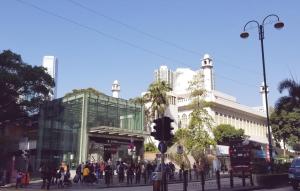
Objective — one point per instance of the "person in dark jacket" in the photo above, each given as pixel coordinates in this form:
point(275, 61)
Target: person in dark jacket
point(138, 172)
point(46, 175)
point(121, 171)
point(42, 170)
point(130, 174)
point(108, 173)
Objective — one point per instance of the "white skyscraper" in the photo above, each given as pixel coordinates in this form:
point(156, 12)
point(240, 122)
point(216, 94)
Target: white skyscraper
point(51, 64)
point(164, 74)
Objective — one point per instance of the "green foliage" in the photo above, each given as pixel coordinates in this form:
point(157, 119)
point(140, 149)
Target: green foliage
point(284, 126)
point(23, 88)
point(225, 133)
point(196, 139)
point(157, 96)
point(281, 167)
point(285, 120)
point(150, 147)
point(200, 121)
point(87, 90)
point(291, 101)
point(179, 160)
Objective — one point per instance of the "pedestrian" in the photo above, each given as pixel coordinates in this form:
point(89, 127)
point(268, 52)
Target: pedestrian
point(49, 174)
point(86, 173)
point(130, 174)
point(42, 170)
point(181, 171)
point(138, 173)
point(77, 177)
point(108, 172)
point(61, 177)
point(149, 169)
point(143, 172)
point(121, 171)
point(195, 170)
point(102, 166)
point(19, 177)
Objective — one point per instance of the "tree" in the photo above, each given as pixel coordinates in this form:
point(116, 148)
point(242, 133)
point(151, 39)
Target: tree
point(292, 100)
point(285, 127)
point(196, 138)
point(150, 147)
point(200, 122)
point(23, 88)
point(157, 97)
point(87, 90)
point(285, 120)
point(225, 133)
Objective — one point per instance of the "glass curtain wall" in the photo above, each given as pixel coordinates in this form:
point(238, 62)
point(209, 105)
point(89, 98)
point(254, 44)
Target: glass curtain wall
point(59, 123)
point(64, 124)
point(112, 112)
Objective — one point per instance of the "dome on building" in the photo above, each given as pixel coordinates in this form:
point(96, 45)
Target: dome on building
point(116, 82)
point(206, 56)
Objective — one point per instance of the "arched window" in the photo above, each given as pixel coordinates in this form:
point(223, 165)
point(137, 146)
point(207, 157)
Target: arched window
point(184, 121)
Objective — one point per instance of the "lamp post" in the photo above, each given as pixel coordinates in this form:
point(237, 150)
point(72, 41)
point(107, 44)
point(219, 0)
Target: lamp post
point(244, 34)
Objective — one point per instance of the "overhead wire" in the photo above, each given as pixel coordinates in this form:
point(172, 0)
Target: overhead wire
point(99, 32)
point(113, 37)
point(133, 28)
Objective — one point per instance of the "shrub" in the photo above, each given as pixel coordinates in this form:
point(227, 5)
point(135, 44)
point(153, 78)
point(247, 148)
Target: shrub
point(150, 147)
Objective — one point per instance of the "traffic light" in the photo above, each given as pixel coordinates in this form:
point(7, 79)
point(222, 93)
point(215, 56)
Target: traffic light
point(163, 129)
point(157, 134)
point(167, 129)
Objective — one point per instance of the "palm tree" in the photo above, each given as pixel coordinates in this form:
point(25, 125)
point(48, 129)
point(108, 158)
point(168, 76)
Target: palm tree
point(292, 100)
point(158, 98)
point(286, 116)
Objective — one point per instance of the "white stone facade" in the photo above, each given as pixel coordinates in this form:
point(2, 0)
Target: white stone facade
point(225, 109)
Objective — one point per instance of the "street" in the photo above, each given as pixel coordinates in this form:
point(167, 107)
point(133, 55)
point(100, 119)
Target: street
point(192, 186)
point(287, 188)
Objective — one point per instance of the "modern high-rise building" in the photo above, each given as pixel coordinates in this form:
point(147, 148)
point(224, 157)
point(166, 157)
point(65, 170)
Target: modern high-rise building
point(51, 64)
point(164, 74)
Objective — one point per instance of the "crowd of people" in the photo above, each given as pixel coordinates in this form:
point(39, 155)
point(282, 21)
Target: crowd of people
point(133, 172)
point(52, 175)
point(99, 172)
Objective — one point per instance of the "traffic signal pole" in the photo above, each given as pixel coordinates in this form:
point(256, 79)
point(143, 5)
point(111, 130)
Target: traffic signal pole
point(163, 181)
point(163, 133)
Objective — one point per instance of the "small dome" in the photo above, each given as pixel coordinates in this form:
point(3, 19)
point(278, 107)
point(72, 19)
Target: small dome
point(116, 82)
point(206, 56)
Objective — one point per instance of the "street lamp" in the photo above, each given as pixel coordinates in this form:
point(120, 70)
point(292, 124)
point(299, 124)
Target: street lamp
point(244, 35)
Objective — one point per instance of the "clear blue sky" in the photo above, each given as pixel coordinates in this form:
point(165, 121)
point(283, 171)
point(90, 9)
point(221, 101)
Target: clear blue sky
point(95, 50)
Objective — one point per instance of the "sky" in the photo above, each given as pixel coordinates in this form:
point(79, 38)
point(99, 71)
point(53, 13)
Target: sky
point(99, 41)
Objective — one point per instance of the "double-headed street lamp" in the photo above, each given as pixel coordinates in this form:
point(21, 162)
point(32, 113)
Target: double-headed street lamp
point(245, 34)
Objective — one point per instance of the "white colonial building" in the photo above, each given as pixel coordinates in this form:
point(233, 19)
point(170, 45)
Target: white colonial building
point(225, 109)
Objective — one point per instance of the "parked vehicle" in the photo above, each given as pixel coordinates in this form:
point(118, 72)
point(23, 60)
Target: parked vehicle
point(248, 157)
point(294, 173)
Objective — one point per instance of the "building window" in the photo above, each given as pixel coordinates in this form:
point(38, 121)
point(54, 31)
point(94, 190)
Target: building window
point(184, 121)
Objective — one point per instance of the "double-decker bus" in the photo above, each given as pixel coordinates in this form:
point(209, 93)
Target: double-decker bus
point(248, 156)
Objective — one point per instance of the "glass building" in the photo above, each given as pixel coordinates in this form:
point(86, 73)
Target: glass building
point(85, 125)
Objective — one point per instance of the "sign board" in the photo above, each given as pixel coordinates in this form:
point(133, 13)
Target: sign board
point(158, 155)
point(179, 149)
point(222, 150)
point(162, 147)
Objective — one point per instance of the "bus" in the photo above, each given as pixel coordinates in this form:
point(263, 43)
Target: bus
point(248, 156)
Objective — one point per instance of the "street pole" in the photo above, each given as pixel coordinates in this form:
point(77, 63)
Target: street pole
point(261, 38)
point(244, 34)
